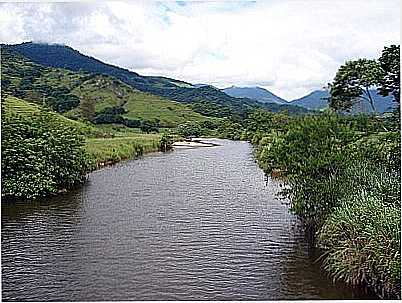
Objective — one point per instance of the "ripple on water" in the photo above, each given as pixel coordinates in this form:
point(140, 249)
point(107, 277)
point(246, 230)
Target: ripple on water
point(189, 224)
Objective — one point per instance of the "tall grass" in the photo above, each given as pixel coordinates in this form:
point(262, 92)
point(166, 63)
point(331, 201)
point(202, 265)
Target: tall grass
point(362, 233)
point(344, 182)
point(362, 237)
point(111, 150)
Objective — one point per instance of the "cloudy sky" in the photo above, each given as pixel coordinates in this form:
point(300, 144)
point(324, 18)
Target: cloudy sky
point(288, 47)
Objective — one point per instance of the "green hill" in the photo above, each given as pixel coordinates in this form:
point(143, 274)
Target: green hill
point(107, 92)
point(64, 91)
point(205, 100)
point(62, 56)
point(27, 109)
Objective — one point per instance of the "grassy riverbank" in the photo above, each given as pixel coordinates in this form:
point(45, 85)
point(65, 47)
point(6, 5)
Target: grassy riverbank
point(104, 151)
point(44, 152)
point(342, 177)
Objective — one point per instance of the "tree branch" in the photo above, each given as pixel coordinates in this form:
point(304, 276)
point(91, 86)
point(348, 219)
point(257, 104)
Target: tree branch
point(370, 99)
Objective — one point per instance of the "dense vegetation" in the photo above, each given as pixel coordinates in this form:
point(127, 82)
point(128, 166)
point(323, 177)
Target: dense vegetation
point(40, 154)
point(342, 177)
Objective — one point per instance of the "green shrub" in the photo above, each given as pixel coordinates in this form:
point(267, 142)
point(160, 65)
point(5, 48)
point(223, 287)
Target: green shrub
point(309, 155)
point(40, 155)
point(166, 142)
point(382, 149)
point(189, 129)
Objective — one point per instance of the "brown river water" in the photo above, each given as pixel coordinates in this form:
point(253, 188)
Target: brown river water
point(191, 224)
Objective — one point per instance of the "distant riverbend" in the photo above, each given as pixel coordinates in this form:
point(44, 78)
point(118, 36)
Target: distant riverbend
point(190, 224)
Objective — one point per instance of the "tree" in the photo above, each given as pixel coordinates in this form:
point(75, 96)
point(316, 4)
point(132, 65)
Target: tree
point(352, 84)
point(189, 129)
point(87, 108)
point(390, 64)
point(166, 142)
point(309, 154)
point(148, 126)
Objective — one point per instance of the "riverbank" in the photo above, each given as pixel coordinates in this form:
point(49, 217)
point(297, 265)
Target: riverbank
point(198, 224)
point(107, 151)
point(342, 178)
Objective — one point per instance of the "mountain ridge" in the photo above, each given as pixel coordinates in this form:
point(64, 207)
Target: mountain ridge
point(316, 100)
point(256, 93)
point(205, 100)
point(65, 91)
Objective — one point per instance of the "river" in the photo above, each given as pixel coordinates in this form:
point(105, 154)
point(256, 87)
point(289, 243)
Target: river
point(192, 224)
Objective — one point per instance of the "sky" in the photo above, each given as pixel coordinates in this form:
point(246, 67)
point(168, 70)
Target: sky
point(288, 47)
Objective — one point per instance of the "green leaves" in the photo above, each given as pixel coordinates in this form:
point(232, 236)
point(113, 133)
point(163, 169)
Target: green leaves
point(40, 155)
point(309, 153)
point(354, 79)
point(390, 64)
point(189, 129)
point(352, 83)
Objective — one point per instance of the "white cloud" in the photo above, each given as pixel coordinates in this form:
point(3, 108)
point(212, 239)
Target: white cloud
point(289, 47)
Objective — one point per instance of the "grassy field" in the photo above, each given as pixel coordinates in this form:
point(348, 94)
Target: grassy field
point(105, 151)
point(109, 92)
point(125, 143)
point(25, 108)
point(145, 106)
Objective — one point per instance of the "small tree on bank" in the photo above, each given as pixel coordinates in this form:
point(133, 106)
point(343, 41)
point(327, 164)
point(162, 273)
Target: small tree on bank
point(352, 84)
point(354, 79)
point(390, 83)
point(87, 108)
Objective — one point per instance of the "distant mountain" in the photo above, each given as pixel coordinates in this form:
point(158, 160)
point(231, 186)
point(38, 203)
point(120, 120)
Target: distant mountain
point(62, 56)
point(257, 93)
point(206, 100)
point(316, 100)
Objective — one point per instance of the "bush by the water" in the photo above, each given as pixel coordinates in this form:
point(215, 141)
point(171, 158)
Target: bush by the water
point(342, 177)
point(310, 154)
point(40, 155)
point(362, 239)
point(166, 142)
